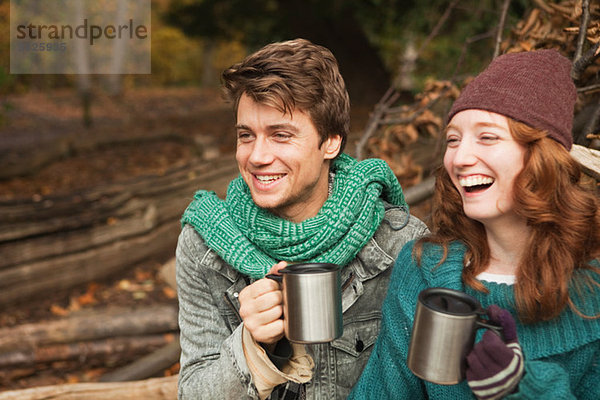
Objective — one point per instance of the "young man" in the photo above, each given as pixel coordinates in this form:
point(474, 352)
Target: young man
point(298, 198)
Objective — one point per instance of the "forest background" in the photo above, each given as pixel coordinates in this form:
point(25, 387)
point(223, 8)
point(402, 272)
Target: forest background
point(95, 170)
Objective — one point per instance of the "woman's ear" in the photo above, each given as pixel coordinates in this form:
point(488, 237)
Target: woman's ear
point(332, 146)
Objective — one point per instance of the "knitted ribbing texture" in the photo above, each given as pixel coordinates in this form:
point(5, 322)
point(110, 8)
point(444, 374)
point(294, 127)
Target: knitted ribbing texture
point(252, 239)
point(560, 355)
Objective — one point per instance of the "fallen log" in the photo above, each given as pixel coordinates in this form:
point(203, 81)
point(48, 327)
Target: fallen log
point(420, 192)
point(113, 322)
point(150, 389)
point(28, 217)
point(35, 279)
point(73, 241)
point(589, 160)
point(123, 348)
point(146, 366)
point(42, 220)
point(59, 242)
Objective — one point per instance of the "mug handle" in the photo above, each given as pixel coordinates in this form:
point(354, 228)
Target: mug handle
point(276, 278)
point(484, 323)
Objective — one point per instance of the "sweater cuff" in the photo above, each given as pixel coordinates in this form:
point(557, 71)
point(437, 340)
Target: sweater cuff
point(266, 375)
point(282, 352)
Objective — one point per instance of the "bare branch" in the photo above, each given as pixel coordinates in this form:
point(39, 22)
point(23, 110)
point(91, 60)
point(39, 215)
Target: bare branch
point(584, 61)
point(501, 27)
point(592, 123)
point(589, 88)
point(470, 40)
point(414, 114)
point(541, 4)
point(437, 27)
point(390, 96)
point(585, 20)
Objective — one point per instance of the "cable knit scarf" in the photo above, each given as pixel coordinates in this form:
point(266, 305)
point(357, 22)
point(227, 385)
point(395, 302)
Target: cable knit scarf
point(252, 239)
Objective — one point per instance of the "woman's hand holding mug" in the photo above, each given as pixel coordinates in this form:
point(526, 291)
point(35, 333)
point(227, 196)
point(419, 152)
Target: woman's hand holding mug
point(495, 366)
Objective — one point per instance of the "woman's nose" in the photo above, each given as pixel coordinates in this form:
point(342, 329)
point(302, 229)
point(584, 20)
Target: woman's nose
point(464, 154)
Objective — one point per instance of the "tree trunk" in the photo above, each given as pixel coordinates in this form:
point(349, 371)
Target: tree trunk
point(208, 73)
point(95, 325)
point(115, 78)
point(121, 348)
point(91, 235)
point(147, 366)
point(151, 389)
point(84, 85)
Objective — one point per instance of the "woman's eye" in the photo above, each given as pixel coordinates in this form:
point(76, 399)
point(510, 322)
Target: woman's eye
point(489, 138)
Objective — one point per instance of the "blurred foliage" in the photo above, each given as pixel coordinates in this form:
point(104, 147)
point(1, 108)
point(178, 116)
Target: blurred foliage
point(393, 25)
point(5, 79)
point(185, 31)
point(390, 25)
point(176, 58)
point(252, 21)
point(398, 133)
point(227, 52)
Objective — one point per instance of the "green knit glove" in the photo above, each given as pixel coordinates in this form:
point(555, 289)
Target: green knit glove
point(495, 366)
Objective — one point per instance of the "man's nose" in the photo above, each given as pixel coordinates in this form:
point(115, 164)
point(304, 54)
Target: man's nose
point(261, 153)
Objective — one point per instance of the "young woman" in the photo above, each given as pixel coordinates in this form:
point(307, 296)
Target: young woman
point(513, 229)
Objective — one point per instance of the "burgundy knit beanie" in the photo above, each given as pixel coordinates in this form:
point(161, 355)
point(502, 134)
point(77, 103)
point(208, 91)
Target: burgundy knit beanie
point(533, 87)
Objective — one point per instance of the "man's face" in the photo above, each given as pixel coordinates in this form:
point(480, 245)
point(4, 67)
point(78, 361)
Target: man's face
point(280, 160)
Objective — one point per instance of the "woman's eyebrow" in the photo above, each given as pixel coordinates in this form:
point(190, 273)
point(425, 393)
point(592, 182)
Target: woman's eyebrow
point(489, 125)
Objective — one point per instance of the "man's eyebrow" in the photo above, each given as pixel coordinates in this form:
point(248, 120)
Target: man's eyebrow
point(274, 127)
point(287, 127)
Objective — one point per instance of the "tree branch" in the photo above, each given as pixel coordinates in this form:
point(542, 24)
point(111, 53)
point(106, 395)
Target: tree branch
point(501, 27)
point(390, 96)
point(592, 122)
point(589, 88)
point(437, 27)
point(541, 4)
point(584, 61)
point(463, 51)
point(585, 21)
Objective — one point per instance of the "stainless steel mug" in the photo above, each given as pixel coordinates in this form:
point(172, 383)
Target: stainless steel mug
point(443, 334)
point(312, 302)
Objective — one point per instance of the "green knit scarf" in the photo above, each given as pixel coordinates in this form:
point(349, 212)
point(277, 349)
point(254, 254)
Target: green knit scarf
point(252, 239)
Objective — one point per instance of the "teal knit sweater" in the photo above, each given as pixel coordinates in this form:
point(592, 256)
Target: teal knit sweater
point(562, 356)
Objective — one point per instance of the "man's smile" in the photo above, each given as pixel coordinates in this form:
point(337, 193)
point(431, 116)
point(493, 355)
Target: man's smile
point(268, 178)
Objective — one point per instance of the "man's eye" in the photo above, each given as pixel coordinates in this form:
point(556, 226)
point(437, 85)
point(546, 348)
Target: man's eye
point(243, 136)
point(452, 141)
point(281, 135)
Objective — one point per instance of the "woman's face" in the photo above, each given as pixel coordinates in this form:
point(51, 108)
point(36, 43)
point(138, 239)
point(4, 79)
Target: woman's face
point(483, 159)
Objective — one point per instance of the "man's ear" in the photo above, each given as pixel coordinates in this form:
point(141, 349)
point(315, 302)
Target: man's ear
point(332, 146)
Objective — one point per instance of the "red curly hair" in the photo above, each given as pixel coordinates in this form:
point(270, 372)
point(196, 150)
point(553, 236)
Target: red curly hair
point(563, 216)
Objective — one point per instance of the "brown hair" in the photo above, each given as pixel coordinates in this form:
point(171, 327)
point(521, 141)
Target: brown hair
point(563, 216)
point(295, 73)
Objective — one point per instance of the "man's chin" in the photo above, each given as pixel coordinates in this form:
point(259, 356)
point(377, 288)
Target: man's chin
point(268, 203)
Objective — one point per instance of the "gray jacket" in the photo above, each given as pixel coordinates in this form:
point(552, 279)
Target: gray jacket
point(212, 359)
